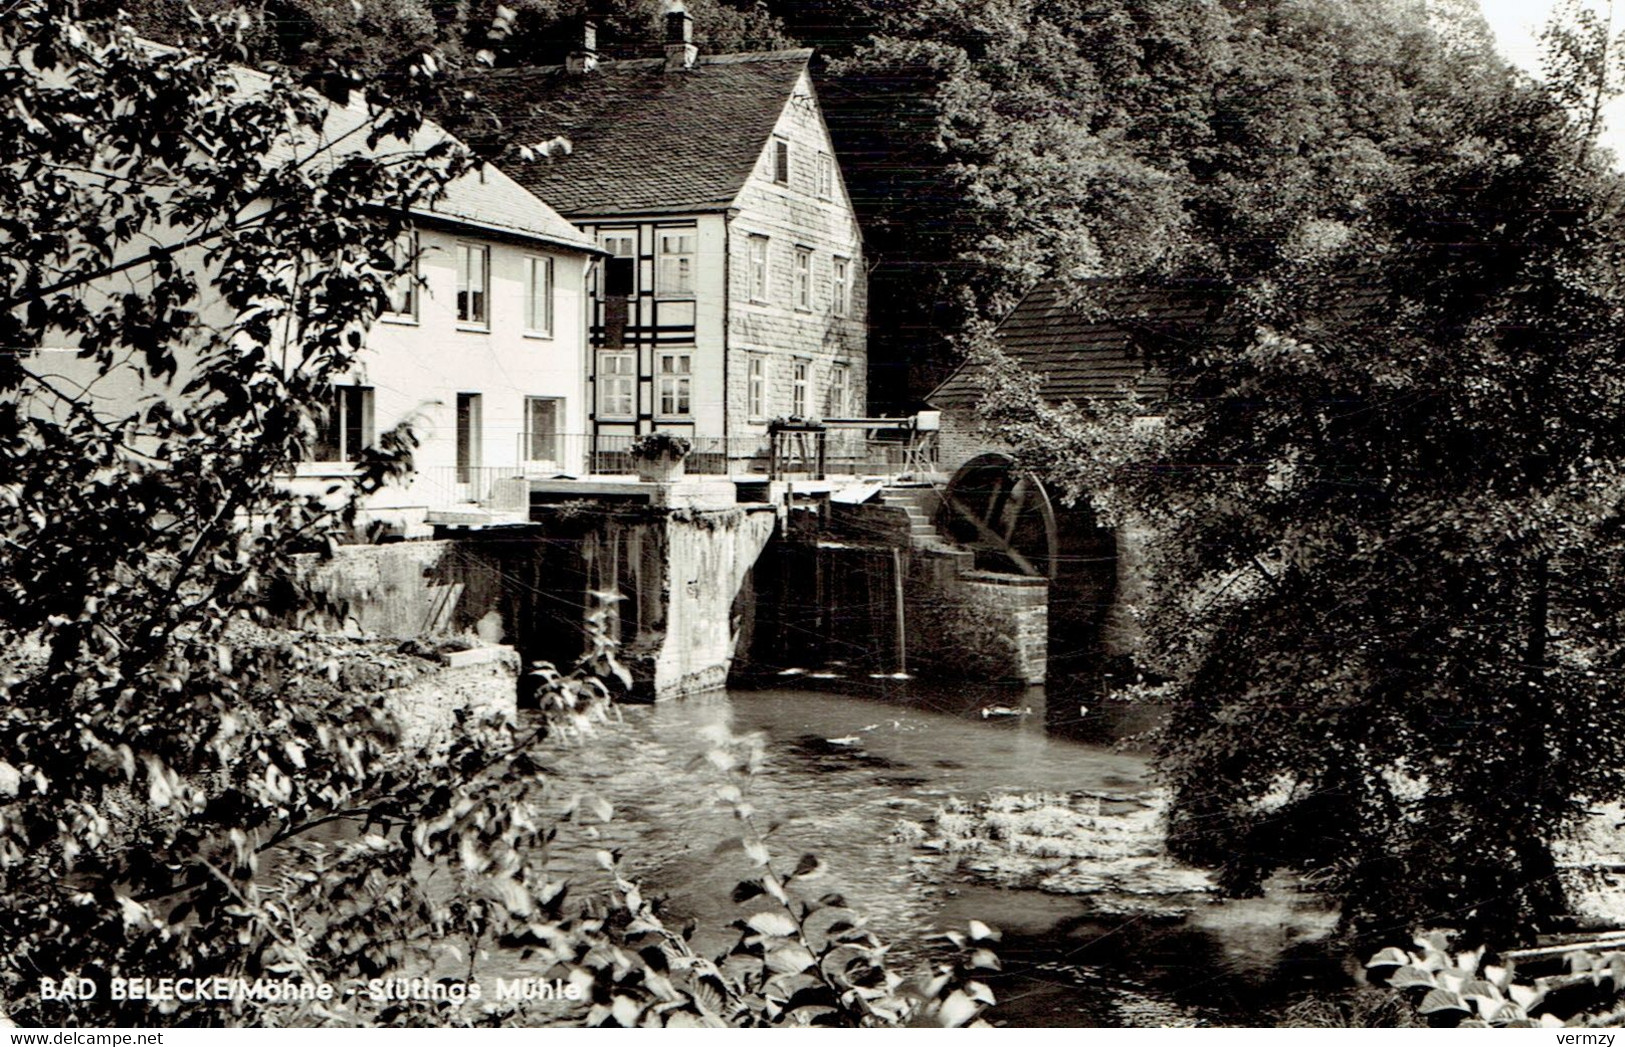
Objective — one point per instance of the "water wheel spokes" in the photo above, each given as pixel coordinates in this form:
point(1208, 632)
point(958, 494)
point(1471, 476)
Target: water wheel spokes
point(1003, 513)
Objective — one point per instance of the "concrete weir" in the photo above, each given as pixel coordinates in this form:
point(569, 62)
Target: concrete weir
point(667, 559)
point(704, 578)
point(677, 574)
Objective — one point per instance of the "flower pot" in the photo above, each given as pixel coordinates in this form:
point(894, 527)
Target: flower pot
point(663, 469)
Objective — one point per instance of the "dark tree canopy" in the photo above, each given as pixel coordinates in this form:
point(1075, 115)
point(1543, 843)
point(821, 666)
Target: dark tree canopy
point(371, 34)
point(1386, 498)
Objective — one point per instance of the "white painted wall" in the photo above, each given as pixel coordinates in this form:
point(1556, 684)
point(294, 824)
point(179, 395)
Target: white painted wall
point(418, 368)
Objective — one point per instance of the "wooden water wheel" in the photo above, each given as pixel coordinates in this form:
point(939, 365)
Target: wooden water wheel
point(1004, 514)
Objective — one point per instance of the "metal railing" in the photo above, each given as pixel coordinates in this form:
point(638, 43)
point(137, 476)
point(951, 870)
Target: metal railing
point(810, 452)
point(493, 488)
point(817, 452)
point(602, 454)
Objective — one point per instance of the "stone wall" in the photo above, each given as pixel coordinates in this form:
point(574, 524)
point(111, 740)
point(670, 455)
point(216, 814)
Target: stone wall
point(711, 556)
point(406, 589)
point(832, 602)
point(678, 574)
point(1123, 632)
point(966, 623)
point(961, 438)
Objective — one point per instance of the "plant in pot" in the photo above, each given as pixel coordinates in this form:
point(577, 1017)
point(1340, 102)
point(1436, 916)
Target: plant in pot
point(659, 456)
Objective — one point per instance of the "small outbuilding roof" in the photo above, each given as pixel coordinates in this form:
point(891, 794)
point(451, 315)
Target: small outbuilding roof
point(1100, 343)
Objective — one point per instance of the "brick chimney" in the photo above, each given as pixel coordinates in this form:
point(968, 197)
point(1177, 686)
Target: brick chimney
point(680, 49)
point(584, 59)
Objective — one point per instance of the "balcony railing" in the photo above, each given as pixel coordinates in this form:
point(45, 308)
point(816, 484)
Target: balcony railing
point(492, 488)
point(811, 451)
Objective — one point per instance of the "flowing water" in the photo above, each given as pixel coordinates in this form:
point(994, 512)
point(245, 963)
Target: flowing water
point(840, 772)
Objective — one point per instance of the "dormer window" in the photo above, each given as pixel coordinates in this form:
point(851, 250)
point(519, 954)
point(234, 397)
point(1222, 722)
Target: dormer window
point(781, 161)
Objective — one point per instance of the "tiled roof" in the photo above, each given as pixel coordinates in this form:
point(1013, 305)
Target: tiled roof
point(644, 140)
point(489, 200)
point(493, 202)
point(1099, 347)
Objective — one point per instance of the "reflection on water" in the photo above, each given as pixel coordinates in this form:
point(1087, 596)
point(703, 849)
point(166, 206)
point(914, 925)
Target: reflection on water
point(839, 772)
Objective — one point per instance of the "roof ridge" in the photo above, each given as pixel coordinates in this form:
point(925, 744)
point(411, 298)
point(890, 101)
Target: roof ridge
point(729, 58)
point(736, 57)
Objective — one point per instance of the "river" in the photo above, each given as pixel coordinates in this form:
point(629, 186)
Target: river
point(839, 773)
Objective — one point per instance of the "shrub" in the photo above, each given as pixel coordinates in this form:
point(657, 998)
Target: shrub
point(658, 444)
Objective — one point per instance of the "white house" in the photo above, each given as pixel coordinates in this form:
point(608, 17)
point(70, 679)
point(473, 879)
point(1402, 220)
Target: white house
point(485, 352)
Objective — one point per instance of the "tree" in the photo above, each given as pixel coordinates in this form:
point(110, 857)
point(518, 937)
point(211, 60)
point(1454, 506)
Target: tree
point(989, 143)
point(165, 754)
point(1386, 507)
point(158, 228)
point(1583, 63)
point(544, 32)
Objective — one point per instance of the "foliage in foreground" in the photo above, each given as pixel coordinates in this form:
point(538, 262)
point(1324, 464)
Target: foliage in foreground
point(1384, 502)
point(174, 802)
point(1461, 989)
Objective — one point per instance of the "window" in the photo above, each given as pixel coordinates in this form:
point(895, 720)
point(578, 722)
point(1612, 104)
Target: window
point(803, 278)
point(473, 284)
point(620, 269)
point(756, 388)
point(617, 385)
point(468, 436)
point(826, 176)
point(539, 296)
point(843, 284)
point(758, 268)
point(541, 429)
point(673, 383)
point(781, 161)
point(798, 389)
point(347, 429)
point(403, 302)
point(676, 273)
point(839, 390)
